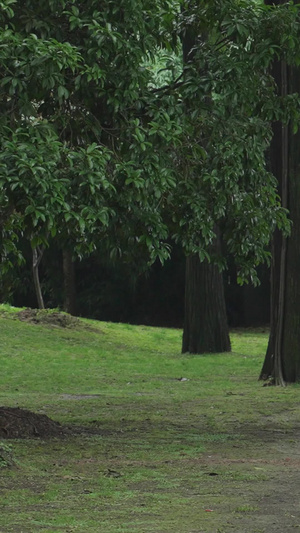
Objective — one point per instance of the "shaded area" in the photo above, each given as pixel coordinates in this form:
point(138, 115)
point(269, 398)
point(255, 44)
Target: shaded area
point(117, 293)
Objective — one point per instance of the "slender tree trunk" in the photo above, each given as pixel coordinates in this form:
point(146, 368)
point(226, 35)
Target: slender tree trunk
point(205, 323)
point(279, 165)
point(37, 254)
point(268, 366)
point(282, 361)
point(69, 282)
point(291, 323)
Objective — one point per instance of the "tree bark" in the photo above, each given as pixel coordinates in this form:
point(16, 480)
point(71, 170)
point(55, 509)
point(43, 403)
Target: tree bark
point(205, 324)
point(69, 282)
point(291, 327)
point(37, 254)
point(279, 153)
point(282, 361)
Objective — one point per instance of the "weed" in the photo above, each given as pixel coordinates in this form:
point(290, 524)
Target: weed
point(6, 455)
point(246, 509)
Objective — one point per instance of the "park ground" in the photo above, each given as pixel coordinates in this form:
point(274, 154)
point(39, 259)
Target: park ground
point(148, 440)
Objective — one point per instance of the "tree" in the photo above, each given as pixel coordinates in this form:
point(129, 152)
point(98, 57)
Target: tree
point(70, 93)
point(282, 363)
point(205, 326)
point(251, 105)
point(92, 148)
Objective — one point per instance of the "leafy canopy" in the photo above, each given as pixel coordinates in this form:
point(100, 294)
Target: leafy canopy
point(109, 131)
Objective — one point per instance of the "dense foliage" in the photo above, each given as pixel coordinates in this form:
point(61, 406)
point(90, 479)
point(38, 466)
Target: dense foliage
point(98, 142)
point(232, 101)
point(72, 157)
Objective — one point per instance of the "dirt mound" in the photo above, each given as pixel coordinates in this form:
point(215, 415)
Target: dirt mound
point(48, 317)
point(16, 423)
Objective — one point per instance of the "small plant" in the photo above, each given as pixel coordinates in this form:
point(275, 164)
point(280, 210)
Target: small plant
point(6, 458)
point(246, 509)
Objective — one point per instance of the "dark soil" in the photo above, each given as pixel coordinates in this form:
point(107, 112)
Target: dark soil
point(16, 423)
point(48, 317)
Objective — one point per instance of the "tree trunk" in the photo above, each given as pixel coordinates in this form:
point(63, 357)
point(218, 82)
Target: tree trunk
point(282, 361)
point(205, 323)
point(291, 324)
point(69, 282)
point(268, 366)
point(279, 165)
point(37, 254)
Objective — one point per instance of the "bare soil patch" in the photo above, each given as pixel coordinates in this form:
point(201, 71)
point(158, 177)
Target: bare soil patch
point(48, 317)
point(16, 423)
point(52, 319)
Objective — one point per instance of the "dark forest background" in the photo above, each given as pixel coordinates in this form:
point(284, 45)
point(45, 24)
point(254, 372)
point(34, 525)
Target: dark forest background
point(119, 292)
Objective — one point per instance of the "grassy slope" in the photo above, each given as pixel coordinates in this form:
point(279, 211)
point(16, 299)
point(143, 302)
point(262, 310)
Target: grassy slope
point(149, 468)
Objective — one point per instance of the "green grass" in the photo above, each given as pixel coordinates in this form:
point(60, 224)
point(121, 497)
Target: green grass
point(166, 455)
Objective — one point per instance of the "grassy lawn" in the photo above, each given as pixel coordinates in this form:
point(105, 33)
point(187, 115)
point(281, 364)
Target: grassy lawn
point(169, 442)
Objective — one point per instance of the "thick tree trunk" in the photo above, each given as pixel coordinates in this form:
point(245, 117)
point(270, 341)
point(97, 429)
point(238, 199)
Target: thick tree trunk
point(37, 255)
point(69, 282)
point(205, 323)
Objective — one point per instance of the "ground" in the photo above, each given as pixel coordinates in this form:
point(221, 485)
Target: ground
point(110, 429)
point(249, 485)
